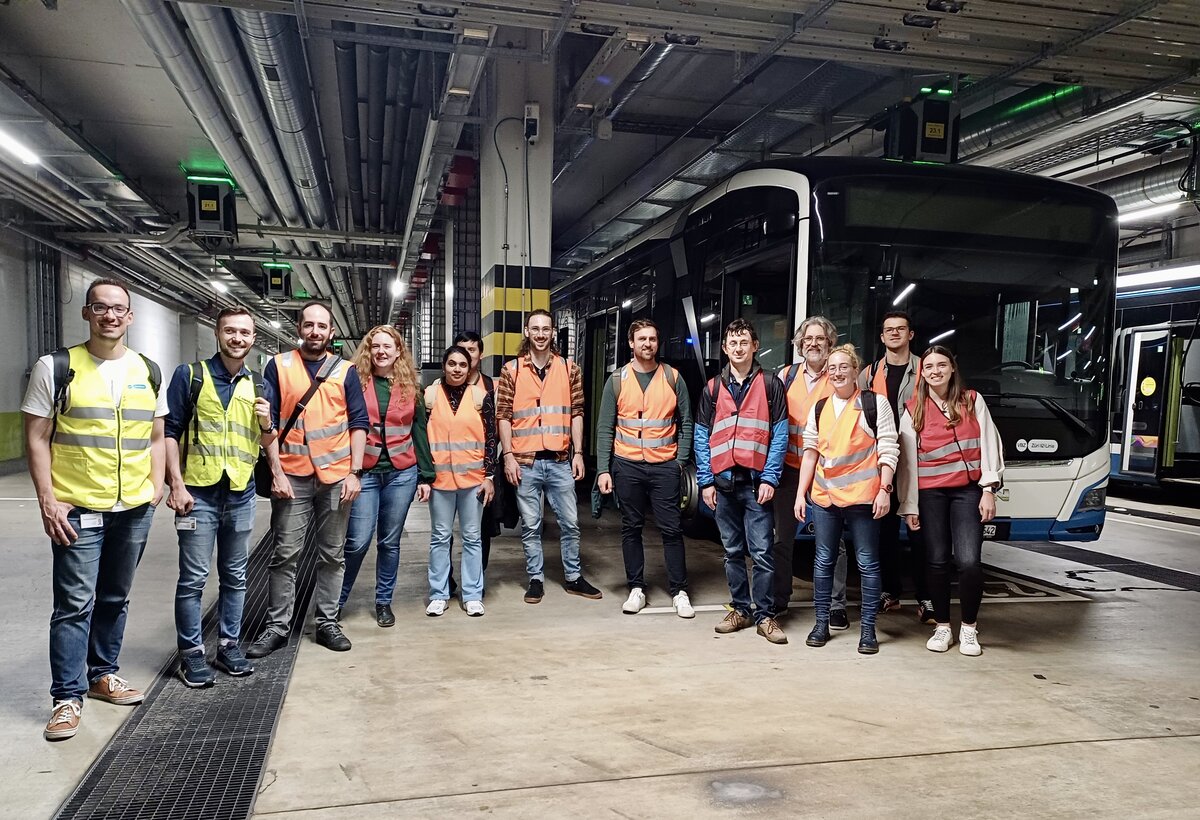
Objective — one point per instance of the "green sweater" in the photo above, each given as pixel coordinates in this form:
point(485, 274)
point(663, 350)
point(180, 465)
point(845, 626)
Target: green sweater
point(607, 421)
point(383, 395)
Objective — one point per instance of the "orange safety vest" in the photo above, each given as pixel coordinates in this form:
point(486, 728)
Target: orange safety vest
point(740, 436)
point(541, 409)
point(319, 443)
point(947, 456)
point(395, 428)
point(456, 440)
point(645, 429)
point(848, 462)
point(799, 402)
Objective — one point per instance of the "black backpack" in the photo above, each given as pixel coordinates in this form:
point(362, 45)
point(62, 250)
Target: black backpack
point(869, 409)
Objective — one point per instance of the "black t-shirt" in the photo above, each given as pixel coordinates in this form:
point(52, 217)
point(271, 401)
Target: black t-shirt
point(895, 375)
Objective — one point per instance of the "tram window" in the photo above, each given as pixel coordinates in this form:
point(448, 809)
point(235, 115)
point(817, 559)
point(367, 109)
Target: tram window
point(762, 290)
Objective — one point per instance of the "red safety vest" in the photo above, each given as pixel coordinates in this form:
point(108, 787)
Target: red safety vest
point(947, 456)
point(848, 463)
point(740, 436)
point(320, 441)
point(396, 428)
point(799, 402)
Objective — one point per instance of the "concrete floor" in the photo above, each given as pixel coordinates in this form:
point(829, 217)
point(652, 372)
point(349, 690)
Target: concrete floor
point(1077, 708)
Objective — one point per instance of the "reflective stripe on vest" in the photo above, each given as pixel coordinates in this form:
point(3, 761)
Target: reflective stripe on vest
point(799, 402)
point(226, 438)
point(457, 441)
point(541, 418)
point(947, 456)
point(397, 429)
point(741, 436)
point(100, 453)
point(848, 459)
point(645, 426)
point(319, 443)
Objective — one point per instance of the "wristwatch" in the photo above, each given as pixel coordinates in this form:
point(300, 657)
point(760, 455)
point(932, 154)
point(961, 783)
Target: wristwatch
point(358, 473)
point(887, 488)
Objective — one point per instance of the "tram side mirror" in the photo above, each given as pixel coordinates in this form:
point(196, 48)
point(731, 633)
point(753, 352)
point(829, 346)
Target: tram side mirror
point(775, 224)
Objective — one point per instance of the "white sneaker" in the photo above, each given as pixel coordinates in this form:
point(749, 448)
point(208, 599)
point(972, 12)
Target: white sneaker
point(942, 640)
point(683, 605)
point(635, 603)
point(436, 607)
point(475, 608)
point(968, 641)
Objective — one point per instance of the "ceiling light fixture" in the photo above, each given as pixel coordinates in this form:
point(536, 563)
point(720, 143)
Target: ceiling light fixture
point(676, 39)
point(902, 295)
point(945, 6)
point(220, 287)
point(436, 11)
point(941, 336)
point(885, 44)
point(1147, 213)
point(598, 29)
point(476, 33)
point(18, 149)
point(921, 20)
point(458, 91)
point(275, 323)
point(1161, 276)
point(1070, 321)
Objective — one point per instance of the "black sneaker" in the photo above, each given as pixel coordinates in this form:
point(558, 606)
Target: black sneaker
point(838, 619)
point(534, 594)
point(231, 661)
point(267, 643)
point(819, 635)
point(888, 602)
point(384, 615)
point(583, 589)
point(194, 670)
point(330, 636)
point(925, 613)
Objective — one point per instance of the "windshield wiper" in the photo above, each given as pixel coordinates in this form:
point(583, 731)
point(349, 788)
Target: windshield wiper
point(1050, 404)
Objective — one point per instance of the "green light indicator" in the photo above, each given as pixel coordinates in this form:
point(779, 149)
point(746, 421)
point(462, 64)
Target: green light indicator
point(945, 92)
point(1046, 99)
point(276, 266)
point(926, 89)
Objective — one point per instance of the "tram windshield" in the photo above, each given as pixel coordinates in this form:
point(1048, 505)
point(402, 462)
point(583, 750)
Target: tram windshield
point(1018, 282)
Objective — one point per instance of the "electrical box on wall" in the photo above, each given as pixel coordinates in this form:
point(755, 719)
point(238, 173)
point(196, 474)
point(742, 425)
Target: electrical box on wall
point(212, 209)
point(533, 122)
point(925, 130)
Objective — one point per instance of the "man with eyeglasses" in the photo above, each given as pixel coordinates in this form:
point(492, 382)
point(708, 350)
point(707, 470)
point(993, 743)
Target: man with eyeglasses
point(94, 439)
point(895, 375)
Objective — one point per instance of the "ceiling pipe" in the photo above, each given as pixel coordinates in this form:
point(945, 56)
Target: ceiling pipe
point(405, 73)
point(377, 75)
point(1156, 186)
point(346, 61)
point(1021, 116)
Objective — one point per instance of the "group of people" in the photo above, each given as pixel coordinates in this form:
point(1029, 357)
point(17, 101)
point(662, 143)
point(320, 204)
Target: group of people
point(347, 447)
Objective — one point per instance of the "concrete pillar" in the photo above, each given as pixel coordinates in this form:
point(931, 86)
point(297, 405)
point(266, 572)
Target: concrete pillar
point(516, 279)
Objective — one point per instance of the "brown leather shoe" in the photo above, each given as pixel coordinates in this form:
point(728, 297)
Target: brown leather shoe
point(733, 622)
point(112, 689)
point(64, 720)
point(770, 630)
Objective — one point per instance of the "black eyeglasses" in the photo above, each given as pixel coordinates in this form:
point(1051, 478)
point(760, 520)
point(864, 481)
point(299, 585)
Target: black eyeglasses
point(99, 309)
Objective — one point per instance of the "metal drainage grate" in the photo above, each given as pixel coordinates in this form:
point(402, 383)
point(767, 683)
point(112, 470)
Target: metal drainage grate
point(1113, 563)
point(187, 754)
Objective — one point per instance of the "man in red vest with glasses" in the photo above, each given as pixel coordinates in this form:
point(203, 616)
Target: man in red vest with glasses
point(740, 441)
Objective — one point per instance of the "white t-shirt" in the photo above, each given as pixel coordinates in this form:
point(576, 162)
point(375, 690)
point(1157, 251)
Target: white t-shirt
point(39, 396)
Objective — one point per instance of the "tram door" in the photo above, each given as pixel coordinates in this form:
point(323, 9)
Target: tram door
point(603, 334)
point(1144, 441)
point(759, 290)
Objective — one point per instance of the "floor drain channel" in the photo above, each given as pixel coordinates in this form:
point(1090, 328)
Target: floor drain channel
point(187, 754)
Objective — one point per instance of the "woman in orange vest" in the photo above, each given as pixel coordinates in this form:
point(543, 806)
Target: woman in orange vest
point(462, 440)
point(396, 463)
point(951, 465)
point(850, 453)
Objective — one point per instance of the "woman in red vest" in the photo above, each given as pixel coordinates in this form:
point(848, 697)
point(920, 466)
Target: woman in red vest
point(850, 453)
point(396, 463)
point(951, 465)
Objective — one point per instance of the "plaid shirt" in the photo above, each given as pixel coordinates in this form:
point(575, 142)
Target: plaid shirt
point(506, 387)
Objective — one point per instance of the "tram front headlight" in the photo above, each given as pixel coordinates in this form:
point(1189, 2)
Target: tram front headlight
point(1093, 499)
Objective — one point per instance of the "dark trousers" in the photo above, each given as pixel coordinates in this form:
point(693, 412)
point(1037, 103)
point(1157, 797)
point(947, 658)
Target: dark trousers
point(895, 561)
point(953, 533)
point(639, 486)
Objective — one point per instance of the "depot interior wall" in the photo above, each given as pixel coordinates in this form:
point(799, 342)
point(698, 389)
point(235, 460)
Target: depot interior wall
point(14, 319)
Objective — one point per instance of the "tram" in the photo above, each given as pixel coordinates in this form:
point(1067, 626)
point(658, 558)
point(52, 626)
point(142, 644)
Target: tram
point(1015, 273)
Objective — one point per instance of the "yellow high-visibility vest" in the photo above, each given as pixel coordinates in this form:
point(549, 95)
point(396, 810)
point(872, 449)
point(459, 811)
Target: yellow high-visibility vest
point(221, 439)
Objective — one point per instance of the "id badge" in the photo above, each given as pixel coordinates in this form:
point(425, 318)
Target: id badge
point(91, 521)
point(185, 522)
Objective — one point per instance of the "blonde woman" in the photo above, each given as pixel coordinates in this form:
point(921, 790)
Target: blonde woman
point(397, 465)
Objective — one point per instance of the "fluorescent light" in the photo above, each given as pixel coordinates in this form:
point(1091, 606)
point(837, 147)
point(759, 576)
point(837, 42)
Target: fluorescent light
point(1147, 213)
point(472, 33)
point(941, 336)
point(458, 91)
point(1063, 356)
point(275, 323)
point(1088, 335)
point(397, 287)
point(221, 287)
point(1160, 276)
point(627, 303)
point(16, 148)
point(1070, 321)
point(900, 297)
point(707, 318)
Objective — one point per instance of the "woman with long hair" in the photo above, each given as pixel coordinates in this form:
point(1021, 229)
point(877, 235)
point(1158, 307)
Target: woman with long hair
point(397, 465)
point(850, 453)
point(462, 438)
point(951, 464)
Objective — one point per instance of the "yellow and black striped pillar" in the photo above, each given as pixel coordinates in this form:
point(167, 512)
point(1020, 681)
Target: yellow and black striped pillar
point(503, 305)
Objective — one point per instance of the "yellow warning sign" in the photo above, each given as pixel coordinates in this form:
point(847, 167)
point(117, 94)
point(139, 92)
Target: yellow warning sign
point(1148, 386)
point(208, 204)
point(935, 130)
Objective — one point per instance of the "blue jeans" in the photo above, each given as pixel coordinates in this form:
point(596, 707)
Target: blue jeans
point(91, 580)
point(553, 480)
point(379, 510)
point(828, 523)
point(226, 517)
point(443, 505)
point(747, 529)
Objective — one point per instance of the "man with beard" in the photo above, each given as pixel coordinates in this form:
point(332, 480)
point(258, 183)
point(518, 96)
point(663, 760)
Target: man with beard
point(317, 403)
point(93, 432)
point(214, 431)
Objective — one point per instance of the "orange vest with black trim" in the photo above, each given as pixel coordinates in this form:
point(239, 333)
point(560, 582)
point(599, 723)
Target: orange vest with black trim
point(394, 429)
point(541, 409)
point(799, 401)
point(947, 456)
point(645, 427)
point(848, 461)
point(456, 440)
point(319, 443)
point(740, 436)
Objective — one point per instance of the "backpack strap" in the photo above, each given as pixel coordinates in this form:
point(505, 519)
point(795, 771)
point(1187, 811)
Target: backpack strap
point(617, 377)
point(817, 408)
point(63, 374)
point(792, 370)
point(431, 395)
point(195, 385)
point(155, 373)
point(478, 394)
point(870, 409)
point(671, 373)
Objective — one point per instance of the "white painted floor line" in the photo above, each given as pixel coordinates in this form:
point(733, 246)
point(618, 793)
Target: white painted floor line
point(1139, 523)
point(6, 498)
